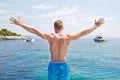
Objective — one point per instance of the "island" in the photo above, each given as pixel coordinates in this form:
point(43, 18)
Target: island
point(6, 34)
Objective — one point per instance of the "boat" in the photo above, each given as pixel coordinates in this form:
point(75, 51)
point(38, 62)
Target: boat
point(29, 39)
point(99, 38)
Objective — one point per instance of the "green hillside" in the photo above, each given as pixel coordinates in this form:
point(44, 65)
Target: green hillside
point(5, 32)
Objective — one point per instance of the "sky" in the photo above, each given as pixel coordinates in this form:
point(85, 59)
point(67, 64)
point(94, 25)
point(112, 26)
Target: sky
point(76, 15)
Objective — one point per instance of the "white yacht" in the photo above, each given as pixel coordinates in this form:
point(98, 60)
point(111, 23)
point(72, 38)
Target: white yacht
point(29, 39)
point(99, 38)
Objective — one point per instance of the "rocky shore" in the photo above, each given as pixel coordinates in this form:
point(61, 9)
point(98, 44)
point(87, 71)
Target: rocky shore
point(13, 37)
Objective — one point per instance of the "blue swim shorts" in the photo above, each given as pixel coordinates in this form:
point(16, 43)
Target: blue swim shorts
point(58, 71)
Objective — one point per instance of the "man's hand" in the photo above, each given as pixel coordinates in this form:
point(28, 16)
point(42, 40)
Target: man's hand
point(99, 22)
point(16, 21)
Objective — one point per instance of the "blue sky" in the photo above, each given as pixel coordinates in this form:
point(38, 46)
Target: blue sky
point(76, 15)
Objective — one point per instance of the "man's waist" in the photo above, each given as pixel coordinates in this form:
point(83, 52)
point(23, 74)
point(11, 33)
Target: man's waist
point(54, 59)
point(58, 62)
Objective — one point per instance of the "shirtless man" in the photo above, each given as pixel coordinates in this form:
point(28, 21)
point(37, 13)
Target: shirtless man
point(58, 68)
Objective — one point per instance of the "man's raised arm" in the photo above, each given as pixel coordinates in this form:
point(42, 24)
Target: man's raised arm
point(87, 31)
point(18, 22)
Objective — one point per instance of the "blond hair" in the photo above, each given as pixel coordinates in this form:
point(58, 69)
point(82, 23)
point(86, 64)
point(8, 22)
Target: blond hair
point(58, 24)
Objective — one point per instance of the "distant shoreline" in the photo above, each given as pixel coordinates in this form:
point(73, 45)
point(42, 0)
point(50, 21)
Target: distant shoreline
point(13, 37)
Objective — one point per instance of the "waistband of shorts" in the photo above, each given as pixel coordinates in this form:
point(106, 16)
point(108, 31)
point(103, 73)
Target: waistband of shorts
point(57, 62)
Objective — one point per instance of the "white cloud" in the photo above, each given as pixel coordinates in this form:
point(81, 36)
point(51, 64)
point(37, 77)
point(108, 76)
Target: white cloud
point(72, 21)
point(2, 4)
point(109, 18)
point(7, 14)
point(68, 0)
point(63, 12)
point(104, 1)
point(91, 18)
point(18, 13)
point(2, 11)
point(42, 7)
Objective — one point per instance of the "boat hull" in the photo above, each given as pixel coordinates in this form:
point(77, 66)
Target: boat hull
point(98, 40)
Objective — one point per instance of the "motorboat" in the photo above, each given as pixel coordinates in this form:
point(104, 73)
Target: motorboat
point(29, 39)
point(99, 38)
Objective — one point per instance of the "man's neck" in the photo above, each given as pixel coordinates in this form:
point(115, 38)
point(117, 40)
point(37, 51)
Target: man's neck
point(59, 32)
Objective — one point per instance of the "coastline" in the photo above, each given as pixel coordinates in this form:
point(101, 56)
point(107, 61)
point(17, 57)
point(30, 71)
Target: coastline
point(13, 37)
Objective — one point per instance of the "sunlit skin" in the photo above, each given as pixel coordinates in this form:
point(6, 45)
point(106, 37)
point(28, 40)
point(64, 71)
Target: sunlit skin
point(59, 41)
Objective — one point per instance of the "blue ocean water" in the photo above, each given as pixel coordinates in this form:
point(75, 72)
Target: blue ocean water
point(87, 60)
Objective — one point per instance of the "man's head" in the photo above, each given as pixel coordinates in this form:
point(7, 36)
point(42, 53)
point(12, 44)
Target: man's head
point(58, 25)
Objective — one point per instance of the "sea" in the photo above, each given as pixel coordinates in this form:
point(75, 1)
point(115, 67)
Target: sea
point(88, 60)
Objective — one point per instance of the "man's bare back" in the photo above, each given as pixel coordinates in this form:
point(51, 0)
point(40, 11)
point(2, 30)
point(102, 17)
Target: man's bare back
point(58, 47)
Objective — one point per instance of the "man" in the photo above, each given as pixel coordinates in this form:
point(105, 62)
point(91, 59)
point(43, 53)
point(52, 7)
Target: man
point(58, 68)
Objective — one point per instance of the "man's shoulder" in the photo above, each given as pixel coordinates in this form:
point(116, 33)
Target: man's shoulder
point(68, 35)
point(48, 33)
